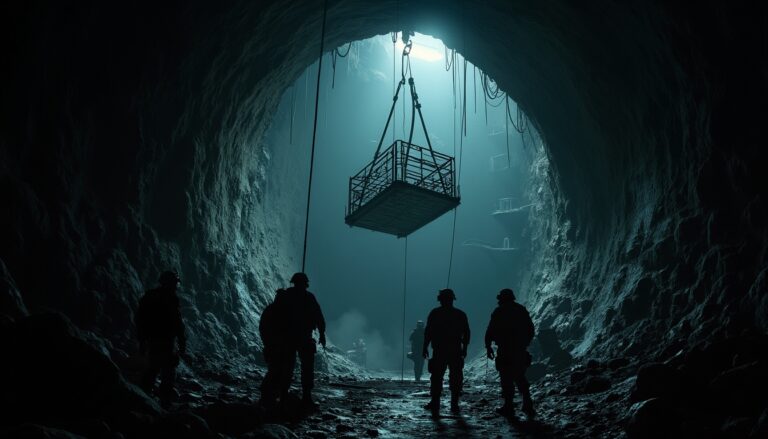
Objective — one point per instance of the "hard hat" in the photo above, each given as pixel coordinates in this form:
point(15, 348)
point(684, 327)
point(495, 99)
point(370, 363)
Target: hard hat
point(299, 278)
point(419, 323)
point(446, 294)
point(169, 279)
point(506, 294)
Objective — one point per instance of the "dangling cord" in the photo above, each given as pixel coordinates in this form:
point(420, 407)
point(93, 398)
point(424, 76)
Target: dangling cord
point(338, 54)
point(520, 125)
point(458, 180)
point(453, 239)
point(306, 93)
point(293, 112)
point(485, 97)
point(474, 85)
point(314, 136)
point(464, 101)
point(405, 285)
point(506, 131)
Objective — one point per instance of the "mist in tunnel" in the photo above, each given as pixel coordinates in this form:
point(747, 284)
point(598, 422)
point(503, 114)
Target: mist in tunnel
point(360, 273)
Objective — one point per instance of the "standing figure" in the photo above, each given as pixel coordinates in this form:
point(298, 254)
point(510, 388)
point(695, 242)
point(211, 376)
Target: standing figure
point(359, 353)
point(277, 353)
point(448, 332)
point(512, 330)
point(160, 326)
point(303, 316)
point(417, 347)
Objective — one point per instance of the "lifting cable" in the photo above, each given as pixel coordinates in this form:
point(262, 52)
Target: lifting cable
point(314, 136)
point(293, 113)
point(394, 81)
point(405, 285)
point(463, 133)
point(416, 107)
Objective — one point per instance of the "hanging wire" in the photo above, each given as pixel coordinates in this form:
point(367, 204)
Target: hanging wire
point(293, 113)
point(464, 101)
point(314, 136)
point(448, 59)
point(459, 166)
point(506, 131)
point(521, 124)
point(405, 285)
point(338, 54)
point(306, 92)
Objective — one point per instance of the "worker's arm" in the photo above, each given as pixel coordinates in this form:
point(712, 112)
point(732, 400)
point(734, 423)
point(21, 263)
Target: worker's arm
point(490, 335)
point(319, 320)
point(466, 336)
point(529, 326)
point(181, 330)
point(427, 337)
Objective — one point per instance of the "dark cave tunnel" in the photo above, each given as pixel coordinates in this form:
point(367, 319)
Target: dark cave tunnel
point(133, 141)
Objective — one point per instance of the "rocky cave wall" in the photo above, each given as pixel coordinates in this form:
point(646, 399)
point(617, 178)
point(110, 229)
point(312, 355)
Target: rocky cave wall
point(131, 140)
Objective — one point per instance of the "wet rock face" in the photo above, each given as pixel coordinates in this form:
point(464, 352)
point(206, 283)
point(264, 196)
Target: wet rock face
point(132, 141)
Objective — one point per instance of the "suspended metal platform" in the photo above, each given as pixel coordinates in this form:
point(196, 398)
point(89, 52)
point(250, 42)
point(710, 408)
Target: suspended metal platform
point(404, 188)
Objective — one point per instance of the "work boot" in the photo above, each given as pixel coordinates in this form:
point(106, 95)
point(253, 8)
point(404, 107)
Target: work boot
point(455, 404)
point(434, 405)
point(528, 408)
point(307, 402)
point(506, 410)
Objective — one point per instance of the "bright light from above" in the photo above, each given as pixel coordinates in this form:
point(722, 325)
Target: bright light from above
point(420, 51)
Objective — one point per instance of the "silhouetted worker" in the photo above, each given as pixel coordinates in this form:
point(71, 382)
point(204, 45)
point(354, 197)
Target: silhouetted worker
point(512, 330)
point(417, 347)
point(279, 356)
point(448, 332)
point(303, 317)
point(160, 327)
point(359, 353)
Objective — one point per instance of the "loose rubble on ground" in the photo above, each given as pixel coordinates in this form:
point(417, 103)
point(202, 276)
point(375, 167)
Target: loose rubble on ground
point(61, 382)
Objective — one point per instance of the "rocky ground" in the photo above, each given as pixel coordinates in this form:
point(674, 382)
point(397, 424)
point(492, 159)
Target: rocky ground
point(385, 406)
point(58, 381)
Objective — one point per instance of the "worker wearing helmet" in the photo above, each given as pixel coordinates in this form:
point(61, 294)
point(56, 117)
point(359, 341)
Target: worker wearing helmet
point(417, 347)
point(160, 327)
point(302, 316)
point(512, 330)
point(448, 332)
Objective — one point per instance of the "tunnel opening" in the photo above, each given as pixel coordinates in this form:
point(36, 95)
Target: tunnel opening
point(358, 274)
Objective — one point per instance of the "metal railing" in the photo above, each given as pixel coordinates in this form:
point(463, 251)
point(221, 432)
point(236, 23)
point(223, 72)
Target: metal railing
point(404, 162)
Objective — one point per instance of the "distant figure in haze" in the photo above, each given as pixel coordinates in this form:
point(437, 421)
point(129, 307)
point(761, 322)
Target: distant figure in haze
point(278, 354)
point(359, 353)
point(417, 347)
point(303, 316)
point(512, 330)
point(448, 332)
point(160, 326)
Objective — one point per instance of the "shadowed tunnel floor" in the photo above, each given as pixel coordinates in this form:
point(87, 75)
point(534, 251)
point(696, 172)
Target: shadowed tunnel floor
point(385, 406)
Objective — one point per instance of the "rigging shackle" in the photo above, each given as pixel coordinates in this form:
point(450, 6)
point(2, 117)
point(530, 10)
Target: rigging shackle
point(407, 47)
